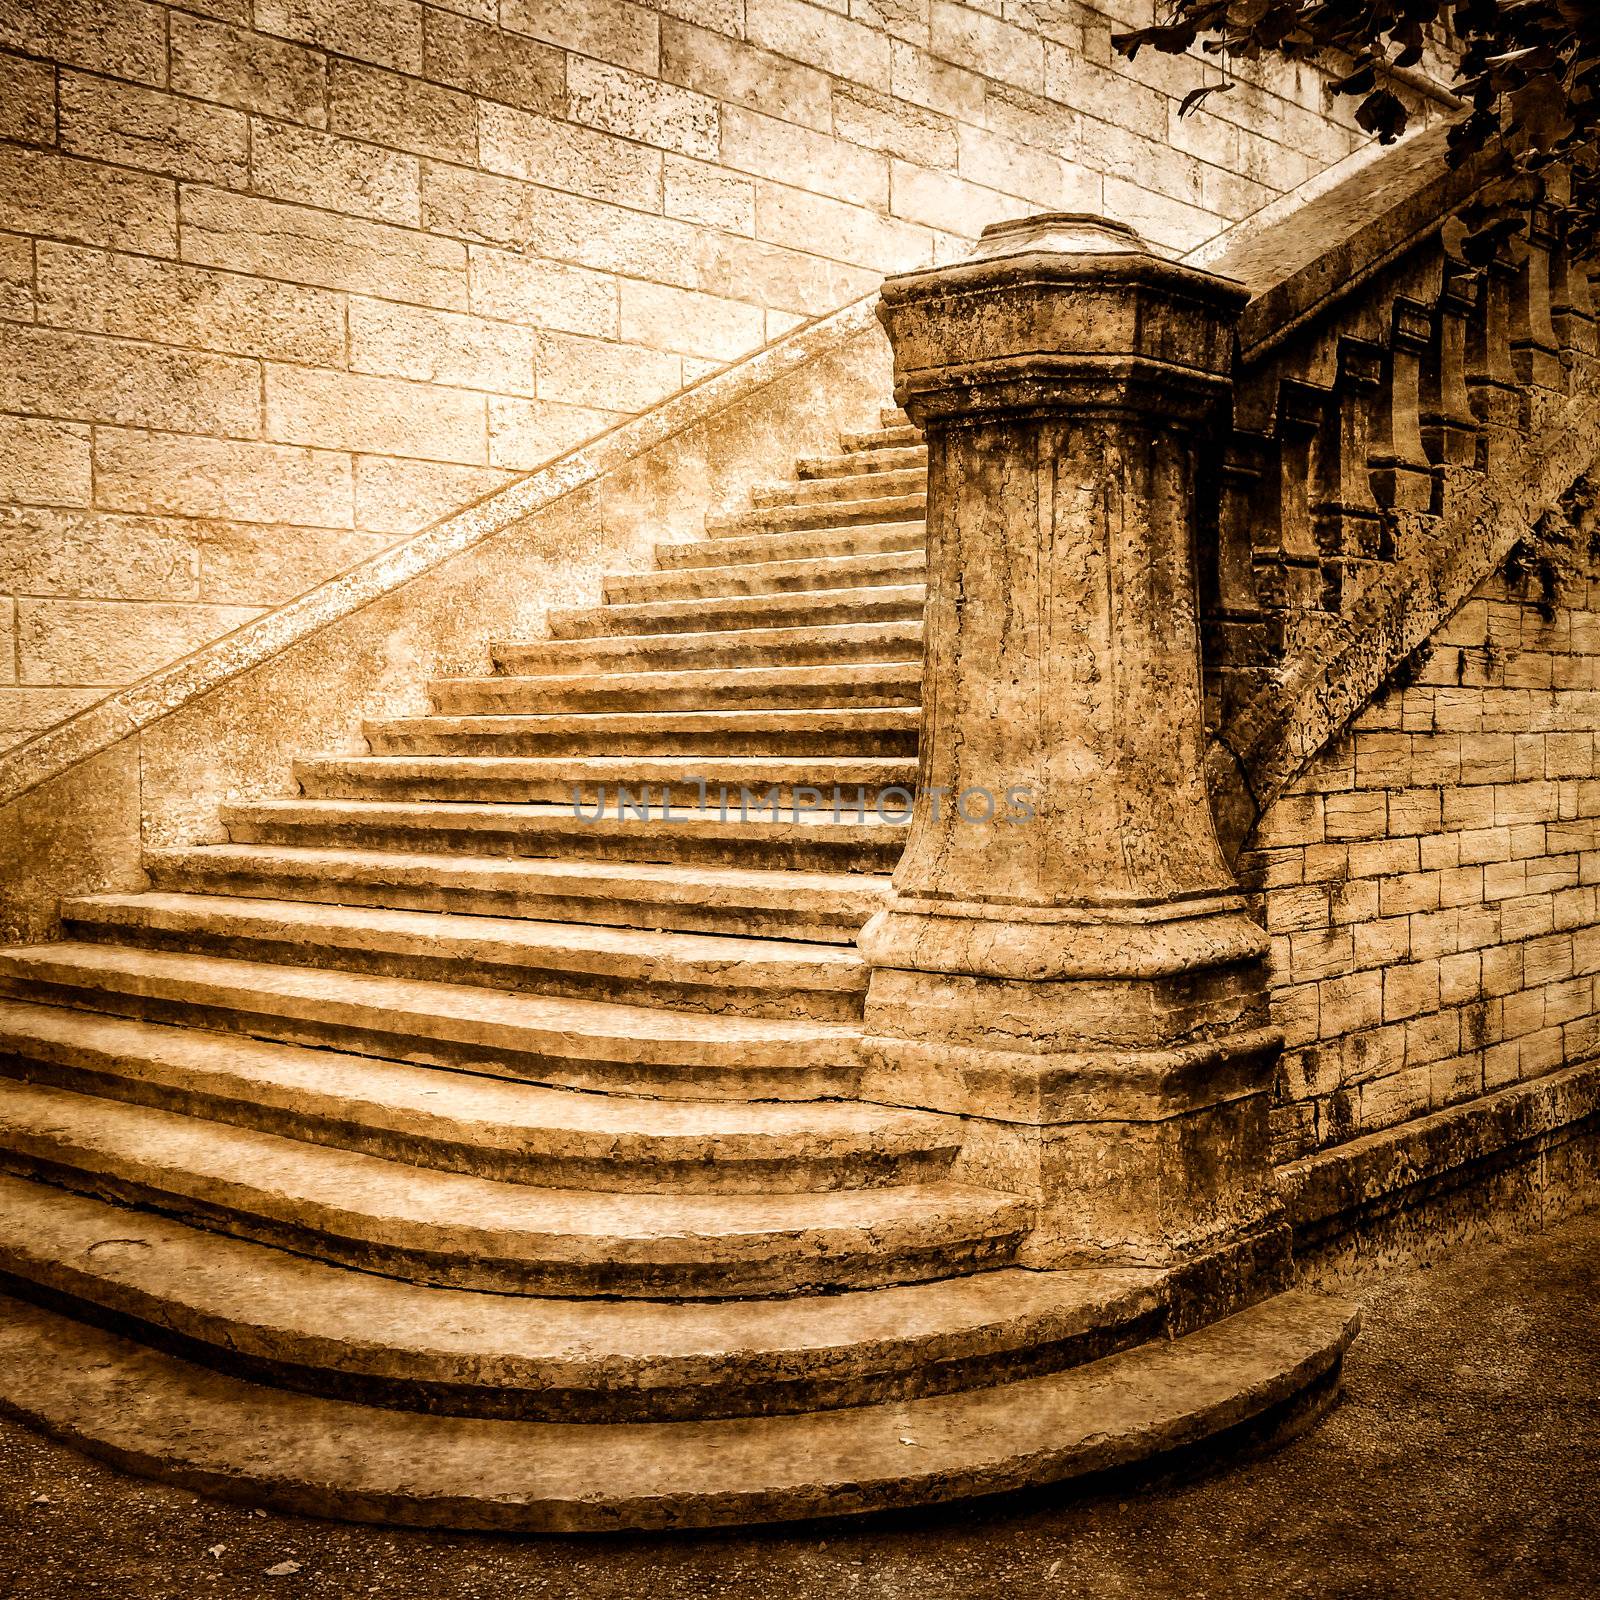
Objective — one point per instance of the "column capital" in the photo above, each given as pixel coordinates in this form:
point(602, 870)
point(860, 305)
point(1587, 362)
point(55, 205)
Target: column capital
point(1060, 310)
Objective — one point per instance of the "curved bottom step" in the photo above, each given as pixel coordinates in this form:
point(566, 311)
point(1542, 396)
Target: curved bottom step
point(164, 1418)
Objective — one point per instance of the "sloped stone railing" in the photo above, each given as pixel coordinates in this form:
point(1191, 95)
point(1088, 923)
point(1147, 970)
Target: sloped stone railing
point(1399, 420)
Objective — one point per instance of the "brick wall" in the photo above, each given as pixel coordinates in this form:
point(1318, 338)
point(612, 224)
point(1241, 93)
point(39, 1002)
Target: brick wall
point(282, 282)
point(1430, 885)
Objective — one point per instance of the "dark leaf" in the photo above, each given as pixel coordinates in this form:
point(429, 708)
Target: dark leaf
point(1196, 96)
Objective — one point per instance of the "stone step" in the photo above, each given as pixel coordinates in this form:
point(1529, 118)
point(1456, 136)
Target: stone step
point(736, 647)
point(813, 608)
point(894, 417)
point(487, 1127)
point(902, 507)
point(874, 683)
point(689, 897)
point(633, 966)
point(814, 844)
point(882, 483)
point(604, 1046)
point(262, 1314)
point(898, 436)
point(872, 731)
point(768, 577)
point(452, 1229)
point(810, 544)
point(891, 458)
point(575, 780)
point(1264, 1373)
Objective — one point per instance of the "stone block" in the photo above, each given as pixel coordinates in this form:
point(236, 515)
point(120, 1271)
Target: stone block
point(1161, 220)
point(140, 298)
point(802, 32)
point(768, 148)
point(901, 19)
point(922, 79)
point(997, 161)
point(1392, 1099)
point(443, 347)
point(1377, 944)
point(941, 200)
point(97, 555)
point(610, 30)
point(1096, 91)
point(1109, 147)
point(387, 33)
point(395, 496)
point(79, 643)
point(16, 277)
point(610, 377)
point(894, 127)
point(248, 70)
point(1350, 1003)
point(732, 71)
point(699, 192)
point(1407, 892)
point(166, 474)
point(846, 232)
point(27, 100)
point(56, 373)
point(522, 144)
point(543, 294)
point(636, 107)
point(503, 211)
point(44, 463)
point(148, 128)
point(120, 38)
point(302, 245)
point(1435, 933)
point(382, 416)
point(421, 118)
point(61, 197)
point(493, 64)
point(26, 711)
point(525, 434)
point(984, 44)
point(690, 323)
point(786, 280)
point(265, 564)
point(1527, 916)
point(319, 169)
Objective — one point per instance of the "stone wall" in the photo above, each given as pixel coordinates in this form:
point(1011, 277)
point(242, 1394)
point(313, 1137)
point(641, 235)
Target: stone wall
point(282, 282)
point(1430, 883)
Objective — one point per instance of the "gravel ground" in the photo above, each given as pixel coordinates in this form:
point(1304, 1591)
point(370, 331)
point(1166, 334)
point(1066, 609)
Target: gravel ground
point(1460, 1463)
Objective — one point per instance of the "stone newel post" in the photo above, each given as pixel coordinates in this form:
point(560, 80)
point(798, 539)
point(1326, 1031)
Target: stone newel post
point(1066, 957)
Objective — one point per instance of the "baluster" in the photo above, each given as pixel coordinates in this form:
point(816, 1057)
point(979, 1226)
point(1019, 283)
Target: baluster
point(1237, 653)
point(1572, 309)
point(1449, 429)
point(1291, 579)
point(1402, 477)
point(1349, 529)
point(1535, 352)
point(1491, 380)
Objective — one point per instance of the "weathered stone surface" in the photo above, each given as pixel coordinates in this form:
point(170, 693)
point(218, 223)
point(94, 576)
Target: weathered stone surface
point(142, 386)
point(65, 198)
point(44, 463)
point(548, 294)
point(122, 38)
point(401, 113)
point(385, 32)
point(523, 144)
point(235, 67)
point(27, 100)
point(639, 107)
point(164, 302)
point(101, 554)
point(612, 30)
point(16, 277)
point(178, 475)
point(403, 497)
point(303, 164)
point(135, 127)
point(302, 245)
point(491, 63)
point(78, 642)
point(444, 347)
point(349, 411)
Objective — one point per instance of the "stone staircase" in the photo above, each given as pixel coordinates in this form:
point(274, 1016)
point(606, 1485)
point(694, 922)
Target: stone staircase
point(473, 1139)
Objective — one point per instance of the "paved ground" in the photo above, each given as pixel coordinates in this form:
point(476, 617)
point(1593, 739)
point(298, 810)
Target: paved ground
point(1460, 1464)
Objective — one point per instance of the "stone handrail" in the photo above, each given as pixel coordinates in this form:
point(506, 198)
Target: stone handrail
point(1399, 419)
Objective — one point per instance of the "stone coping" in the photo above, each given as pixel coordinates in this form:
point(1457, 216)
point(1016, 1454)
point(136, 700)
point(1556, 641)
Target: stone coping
point(127, 710)
point(1380, 1170)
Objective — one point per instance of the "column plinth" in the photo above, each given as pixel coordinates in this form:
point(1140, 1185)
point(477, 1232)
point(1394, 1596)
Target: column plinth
point(1066, 957)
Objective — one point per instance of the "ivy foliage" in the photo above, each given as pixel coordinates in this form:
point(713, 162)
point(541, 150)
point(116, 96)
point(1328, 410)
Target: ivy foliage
point(1528, 70)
